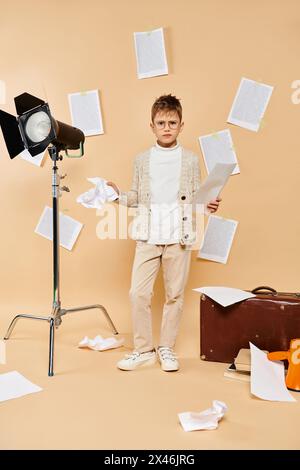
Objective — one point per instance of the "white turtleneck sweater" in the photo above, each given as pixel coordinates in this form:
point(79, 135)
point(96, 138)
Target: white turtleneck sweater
point(165, 169)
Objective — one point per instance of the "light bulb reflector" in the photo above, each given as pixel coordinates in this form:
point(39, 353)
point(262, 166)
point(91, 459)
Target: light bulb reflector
point(38, 126)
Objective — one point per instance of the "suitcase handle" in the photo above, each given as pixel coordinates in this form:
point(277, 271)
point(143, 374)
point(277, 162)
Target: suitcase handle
point(266, 288)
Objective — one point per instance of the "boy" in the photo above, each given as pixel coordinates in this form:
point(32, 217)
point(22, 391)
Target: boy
point(165, 180)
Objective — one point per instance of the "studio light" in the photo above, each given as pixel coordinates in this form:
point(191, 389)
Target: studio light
point(35, 129)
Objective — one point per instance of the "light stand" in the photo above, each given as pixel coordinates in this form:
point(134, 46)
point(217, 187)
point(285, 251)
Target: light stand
point(66, 138)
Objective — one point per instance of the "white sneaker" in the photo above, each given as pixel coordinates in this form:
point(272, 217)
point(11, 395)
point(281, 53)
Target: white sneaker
point(167, 359)
point(136, 359)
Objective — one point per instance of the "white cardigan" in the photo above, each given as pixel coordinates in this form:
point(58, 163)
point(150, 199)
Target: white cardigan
point(140, 196)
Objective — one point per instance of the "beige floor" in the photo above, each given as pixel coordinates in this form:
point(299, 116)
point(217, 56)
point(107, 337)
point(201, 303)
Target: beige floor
point(89, 404)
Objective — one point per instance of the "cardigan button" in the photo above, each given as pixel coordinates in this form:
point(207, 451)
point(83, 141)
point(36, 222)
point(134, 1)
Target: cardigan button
point(184, 218)
point(186, 236)
point(183, 198)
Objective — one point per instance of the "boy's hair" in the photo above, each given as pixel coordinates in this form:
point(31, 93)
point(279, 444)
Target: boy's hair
point(166, 103)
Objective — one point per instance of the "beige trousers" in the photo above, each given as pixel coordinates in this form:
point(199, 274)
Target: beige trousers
point(175, 260)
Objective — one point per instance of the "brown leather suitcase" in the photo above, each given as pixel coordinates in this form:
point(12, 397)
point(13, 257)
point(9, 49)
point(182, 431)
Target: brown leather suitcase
point(269, 320)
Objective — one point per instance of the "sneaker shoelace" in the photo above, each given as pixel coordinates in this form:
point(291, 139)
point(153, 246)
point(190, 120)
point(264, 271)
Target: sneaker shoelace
point(167, 353)
point(134, 355)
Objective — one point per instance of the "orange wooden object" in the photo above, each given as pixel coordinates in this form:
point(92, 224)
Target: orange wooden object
point(292, 379)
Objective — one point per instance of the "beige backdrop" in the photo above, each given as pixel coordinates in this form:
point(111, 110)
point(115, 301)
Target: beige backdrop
point(51, 48)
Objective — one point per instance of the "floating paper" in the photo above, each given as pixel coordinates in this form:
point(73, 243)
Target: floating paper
point(218, 148)
point(150, 53)
point(218, 238)
point(2, 351)
point(69, 228)
point(2, 92)
point(86, 112)
point(37, 160)
point(249, 104)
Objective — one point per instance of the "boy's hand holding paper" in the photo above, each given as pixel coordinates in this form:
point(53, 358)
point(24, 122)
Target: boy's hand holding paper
point(211, 187)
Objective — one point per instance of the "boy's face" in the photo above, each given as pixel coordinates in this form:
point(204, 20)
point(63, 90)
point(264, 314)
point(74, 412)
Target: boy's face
point(166, 126)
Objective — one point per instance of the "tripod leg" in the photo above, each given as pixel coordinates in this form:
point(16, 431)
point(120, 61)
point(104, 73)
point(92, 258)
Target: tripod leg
point(51, 347)
point(89, 307)
point(16, 318)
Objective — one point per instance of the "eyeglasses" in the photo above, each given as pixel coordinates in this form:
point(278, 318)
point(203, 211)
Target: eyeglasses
point(162, 124)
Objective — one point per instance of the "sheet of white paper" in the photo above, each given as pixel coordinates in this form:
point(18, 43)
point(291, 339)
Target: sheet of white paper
point(69, 228)
point(218, 238)
point(37, 160)
point(150, 53)
point(15, 385)
point(101, 344)
point(250, 103)
point(86, 112)
point(225, 295)
point(213, 184)
point(218, 148)
point(2, 351)
point(267, 377)
point(2, 92)
point(97, 196)
point(207, 419)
